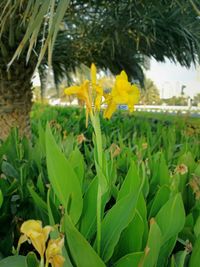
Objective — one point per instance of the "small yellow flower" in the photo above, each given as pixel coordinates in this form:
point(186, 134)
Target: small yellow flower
point(122, 93)
point(54, 252)
point(32, 231)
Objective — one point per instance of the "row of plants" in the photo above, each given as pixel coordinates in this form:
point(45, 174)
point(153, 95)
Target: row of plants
point(120, 193)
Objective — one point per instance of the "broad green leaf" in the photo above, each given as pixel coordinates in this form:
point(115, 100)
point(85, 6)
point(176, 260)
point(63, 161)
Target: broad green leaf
point(1, 198)
point(14, 261)
point(172, 262)
point(117, 219)
point(9, 170)
point(77, 161)
point(130, 260)
point(166, 250)
point(160, 199)
point(32, 260)
point(153, 246)
point(39, 202)
point(88, 218)
point(163, 173)
point(197, 170)
point(180, 258)
point(131, 182)
point(195, 257)
point(131, 238)
point(142, 209)
point(171, 217)
point(63, 178)
point(197, 227)
point(81, 251)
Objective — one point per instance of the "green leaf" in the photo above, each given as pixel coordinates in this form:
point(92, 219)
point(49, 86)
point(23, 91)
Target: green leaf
point(118, 218)
point(195, 257)
point(163, 171)
point(77, 161)
point(9, 170)
point(88, 218)
point(171, 217)
point(197, 227)
point(63, 178)
point(166, 251)
point(180, 258)
point(131, 238)
point(39, 202)
point(160, 199)
point(131, 181)
point(14, 261)
point(130, 260)
point(1, 198)
point(153, 246)
point(32, 260)
point(81, 251)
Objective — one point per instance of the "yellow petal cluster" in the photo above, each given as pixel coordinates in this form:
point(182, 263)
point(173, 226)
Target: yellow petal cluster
point(97, 88)
point(33, 231)
point(92, 92)
point(82, 92)
point(123, 92)
point(54, 252)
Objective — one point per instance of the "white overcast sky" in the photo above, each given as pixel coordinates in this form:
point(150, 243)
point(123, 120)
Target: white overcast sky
point(170, 77)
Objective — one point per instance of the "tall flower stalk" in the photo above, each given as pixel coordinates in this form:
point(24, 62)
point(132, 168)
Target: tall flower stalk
point(92, 94)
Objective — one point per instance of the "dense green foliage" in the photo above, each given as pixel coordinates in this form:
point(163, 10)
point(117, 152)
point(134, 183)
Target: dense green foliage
point(151, 204)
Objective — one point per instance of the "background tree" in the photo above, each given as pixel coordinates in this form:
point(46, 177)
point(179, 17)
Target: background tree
point(113, 34)
point(196, 100)
point(150, 93)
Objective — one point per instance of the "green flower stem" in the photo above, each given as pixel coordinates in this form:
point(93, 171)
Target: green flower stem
point(98, 142)
point(42, 262)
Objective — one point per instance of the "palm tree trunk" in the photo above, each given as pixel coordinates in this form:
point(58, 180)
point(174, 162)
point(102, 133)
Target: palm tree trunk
point(15, 99)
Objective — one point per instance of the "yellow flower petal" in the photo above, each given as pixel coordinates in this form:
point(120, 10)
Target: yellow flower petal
point(54, 252)
point(57, 261)
point(93, 73)
point(110, 110)
point(38, 236)
point(72, 90)
point(31, 225)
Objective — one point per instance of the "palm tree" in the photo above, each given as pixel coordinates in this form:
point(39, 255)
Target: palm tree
point(120, 34)
point(27, 29)
point(113, 34)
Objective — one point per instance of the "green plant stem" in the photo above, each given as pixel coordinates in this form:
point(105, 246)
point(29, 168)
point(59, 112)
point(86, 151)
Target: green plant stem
point(99, 220)
point(98, 142)
point(42, 263)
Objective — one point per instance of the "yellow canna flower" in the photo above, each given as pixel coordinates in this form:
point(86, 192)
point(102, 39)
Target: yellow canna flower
point(97, 88)
point(82, 92)
point(54, 252)
point(32, 231)
point(122, 93)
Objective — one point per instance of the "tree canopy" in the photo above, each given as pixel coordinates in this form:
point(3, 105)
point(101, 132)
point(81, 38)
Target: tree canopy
point(121, 34)
point(113, 34)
